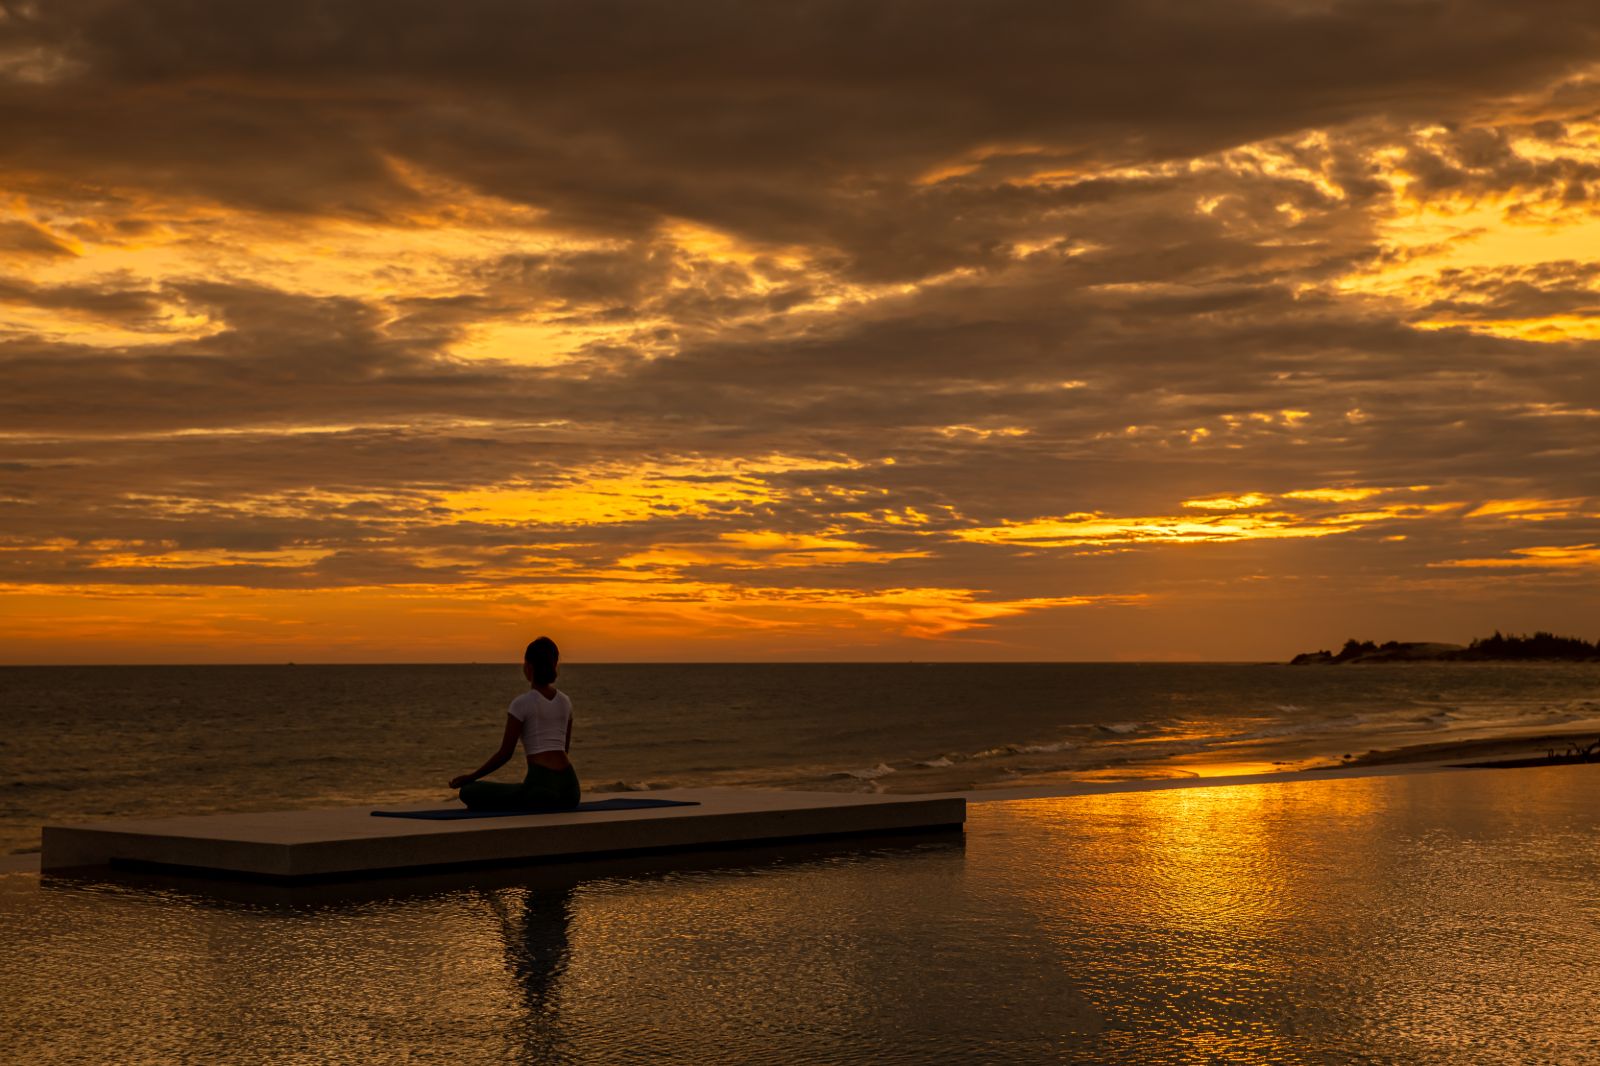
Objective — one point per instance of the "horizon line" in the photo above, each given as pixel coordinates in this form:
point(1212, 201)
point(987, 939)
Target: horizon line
point(673, 662)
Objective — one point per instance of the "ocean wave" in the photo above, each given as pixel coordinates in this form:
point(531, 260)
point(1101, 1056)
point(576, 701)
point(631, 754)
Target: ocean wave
point(1122, 729)
point(1293, 729)
point(936, 764)
point(1019, 749)
point(883, 769)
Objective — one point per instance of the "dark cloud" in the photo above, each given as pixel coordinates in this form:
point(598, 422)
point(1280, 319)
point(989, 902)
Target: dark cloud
point(26, 239)
point(1554, 288)
point(109, 303)
point(794, 126)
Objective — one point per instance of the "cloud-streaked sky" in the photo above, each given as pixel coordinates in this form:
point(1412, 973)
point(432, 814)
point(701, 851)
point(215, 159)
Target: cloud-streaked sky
point(840, 330)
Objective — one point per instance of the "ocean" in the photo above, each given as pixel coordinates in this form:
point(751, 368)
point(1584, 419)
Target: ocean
point(80, 743)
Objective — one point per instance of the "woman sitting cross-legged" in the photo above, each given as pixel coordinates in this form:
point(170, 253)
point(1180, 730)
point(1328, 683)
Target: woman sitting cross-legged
point(542, 717)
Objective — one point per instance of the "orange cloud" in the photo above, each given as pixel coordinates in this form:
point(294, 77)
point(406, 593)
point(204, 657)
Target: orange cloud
point(1530, 510)
point(1097, 529)
point(1543, 558)
point(605, 619)
point(1244, 502)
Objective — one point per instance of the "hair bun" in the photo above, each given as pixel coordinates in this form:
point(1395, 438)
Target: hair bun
point(542, 655)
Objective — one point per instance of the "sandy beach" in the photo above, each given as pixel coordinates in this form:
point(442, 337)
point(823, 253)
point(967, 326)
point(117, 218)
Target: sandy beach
point(1488, 750)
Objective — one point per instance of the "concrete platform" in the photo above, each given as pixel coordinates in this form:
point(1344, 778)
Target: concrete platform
point(349, 842)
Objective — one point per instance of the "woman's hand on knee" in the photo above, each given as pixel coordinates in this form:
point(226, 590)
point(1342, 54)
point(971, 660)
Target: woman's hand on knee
point(461, 780)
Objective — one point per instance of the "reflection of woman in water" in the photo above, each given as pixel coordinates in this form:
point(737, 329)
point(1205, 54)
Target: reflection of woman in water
point(538, 949)
point(542, 717)
point(537, 942)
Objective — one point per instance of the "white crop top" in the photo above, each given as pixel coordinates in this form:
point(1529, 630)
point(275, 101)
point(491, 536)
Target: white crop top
point(544, 722)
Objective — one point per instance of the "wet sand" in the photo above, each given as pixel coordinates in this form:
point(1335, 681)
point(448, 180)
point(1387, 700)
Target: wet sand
point(1486, 751)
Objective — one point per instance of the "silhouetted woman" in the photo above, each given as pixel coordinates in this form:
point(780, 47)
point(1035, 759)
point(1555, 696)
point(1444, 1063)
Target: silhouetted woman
point(542, 717)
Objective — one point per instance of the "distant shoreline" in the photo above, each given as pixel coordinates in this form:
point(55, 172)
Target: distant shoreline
point(1540, 647)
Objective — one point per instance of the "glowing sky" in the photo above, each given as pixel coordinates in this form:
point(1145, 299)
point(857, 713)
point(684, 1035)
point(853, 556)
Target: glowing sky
point(839, 330)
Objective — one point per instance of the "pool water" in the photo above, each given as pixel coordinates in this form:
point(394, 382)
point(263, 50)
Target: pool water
point(1420, 918)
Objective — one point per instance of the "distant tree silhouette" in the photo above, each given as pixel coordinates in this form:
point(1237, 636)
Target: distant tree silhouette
point(1354, 648)
point(1542, 645)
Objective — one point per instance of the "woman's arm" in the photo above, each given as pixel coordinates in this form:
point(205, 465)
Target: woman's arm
point(568, 748)
point(508, 744)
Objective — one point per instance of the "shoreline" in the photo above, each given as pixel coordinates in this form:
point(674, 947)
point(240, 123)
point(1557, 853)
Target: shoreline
point(1329, 773)
point(1268, 759)
point(1490, 749)
point(1482, 753)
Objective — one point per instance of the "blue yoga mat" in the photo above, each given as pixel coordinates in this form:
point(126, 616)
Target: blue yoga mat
point(450, 814)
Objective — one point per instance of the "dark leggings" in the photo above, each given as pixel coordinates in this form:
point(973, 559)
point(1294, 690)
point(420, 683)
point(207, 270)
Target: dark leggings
point(542, 790)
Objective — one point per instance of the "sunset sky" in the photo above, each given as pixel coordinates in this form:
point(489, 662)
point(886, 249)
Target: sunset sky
point(837, 330)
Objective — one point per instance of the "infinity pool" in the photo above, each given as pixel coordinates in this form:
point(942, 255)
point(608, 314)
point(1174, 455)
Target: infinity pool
point(1449, 917)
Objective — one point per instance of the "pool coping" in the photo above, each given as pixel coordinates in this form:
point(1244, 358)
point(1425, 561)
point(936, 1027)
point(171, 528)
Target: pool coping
point(348, 842)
